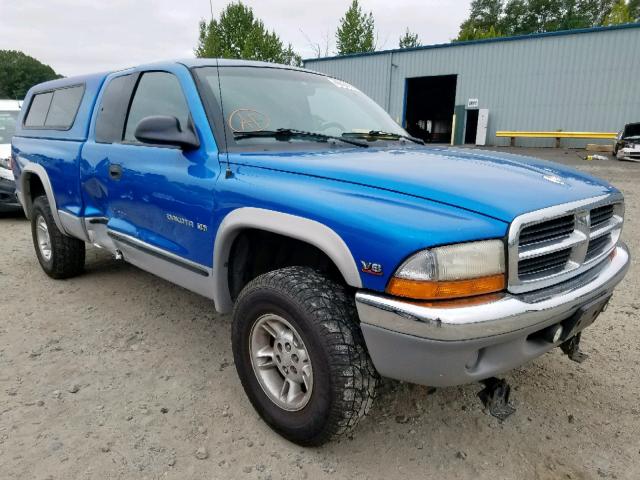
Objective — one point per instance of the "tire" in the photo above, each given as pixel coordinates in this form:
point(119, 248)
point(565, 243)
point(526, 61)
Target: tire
point(65, 255)
point(323, 315)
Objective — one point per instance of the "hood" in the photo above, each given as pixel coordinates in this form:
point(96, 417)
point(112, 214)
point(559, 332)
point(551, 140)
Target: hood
point(631, 130)
point(5, 150)
point(498, 185)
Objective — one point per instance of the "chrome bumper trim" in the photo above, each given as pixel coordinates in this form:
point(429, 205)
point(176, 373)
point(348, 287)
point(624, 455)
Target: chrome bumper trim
point(506, 314)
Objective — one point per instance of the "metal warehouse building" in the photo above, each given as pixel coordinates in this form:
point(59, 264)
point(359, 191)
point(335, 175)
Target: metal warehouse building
point(579, 80)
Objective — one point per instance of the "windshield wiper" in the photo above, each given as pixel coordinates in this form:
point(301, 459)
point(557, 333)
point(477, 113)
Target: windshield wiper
point(285, 134)
point(375, 134)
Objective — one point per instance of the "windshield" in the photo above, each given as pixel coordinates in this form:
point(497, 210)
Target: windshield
point(7, 125)
point(259, 99)
point(631, 131)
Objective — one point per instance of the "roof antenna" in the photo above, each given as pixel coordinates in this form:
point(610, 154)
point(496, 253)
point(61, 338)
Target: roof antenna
point(228, 173)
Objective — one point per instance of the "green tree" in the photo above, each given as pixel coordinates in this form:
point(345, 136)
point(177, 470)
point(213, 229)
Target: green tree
point(356, 31)
point(544, 15)
point(409, 40)
point(19, 72)
point(519, 17)
point(238, 34)
point(470, 32)
point(634, 10)
point(486, 13)
point(573, 16)
point(594, 12)
point(484, 19)
point(619, 13)
point(516, 19)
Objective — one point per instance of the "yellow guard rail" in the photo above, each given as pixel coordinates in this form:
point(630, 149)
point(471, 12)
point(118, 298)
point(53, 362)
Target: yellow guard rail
point(557, 135)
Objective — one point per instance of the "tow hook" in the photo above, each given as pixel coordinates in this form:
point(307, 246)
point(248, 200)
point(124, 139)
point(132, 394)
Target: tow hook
point(118, 255)
point(571, 348)
point(495, 397)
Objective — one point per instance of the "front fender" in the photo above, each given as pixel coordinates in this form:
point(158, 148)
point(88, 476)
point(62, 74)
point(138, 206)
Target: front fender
point(300, 228)
point(371, 225)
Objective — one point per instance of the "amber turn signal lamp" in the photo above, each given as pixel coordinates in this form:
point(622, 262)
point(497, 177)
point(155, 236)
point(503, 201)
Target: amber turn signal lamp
point(432, 290)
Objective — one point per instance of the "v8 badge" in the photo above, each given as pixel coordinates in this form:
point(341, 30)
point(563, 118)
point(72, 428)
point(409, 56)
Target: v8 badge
point(371, 268)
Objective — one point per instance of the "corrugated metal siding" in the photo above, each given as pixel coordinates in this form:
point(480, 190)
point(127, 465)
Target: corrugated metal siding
point(585, 82)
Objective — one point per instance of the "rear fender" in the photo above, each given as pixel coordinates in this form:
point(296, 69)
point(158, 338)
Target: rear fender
point(24, 194)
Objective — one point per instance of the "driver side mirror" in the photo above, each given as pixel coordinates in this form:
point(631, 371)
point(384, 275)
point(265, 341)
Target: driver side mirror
point(166, 130)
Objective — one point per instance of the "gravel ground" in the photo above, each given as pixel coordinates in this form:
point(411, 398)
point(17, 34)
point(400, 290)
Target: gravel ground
point(118, 374)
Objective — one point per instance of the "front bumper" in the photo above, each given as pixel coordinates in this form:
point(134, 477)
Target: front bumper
point(8, 199)
point(632, 154)
point(456, 344)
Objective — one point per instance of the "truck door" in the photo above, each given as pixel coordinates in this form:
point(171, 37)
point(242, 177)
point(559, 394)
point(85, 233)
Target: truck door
point(157, 199)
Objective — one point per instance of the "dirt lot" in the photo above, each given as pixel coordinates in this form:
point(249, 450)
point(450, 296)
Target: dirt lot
point(118, 374)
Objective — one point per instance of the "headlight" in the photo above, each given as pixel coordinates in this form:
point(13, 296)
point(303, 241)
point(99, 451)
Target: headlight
point(452, 271)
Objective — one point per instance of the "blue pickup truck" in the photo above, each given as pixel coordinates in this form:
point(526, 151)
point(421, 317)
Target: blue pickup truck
point(346, 249)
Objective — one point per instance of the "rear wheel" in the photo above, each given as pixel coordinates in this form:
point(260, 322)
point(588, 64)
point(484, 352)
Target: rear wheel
point(60, 256)
point(300, 355)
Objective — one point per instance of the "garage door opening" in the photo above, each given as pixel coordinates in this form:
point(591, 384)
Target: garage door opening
point(471, 127)
point(429, 107)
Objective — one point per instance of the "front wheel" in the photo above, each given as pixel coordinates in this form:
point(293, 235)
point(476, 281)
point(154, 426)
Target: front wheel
point(300, 355)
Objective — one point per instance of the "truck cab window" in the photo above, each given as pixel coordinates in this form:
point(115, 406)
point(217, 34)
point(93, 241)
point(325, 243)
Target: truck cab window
point(38, 110)
point(158, 93)
point(64, 106)
point(113, 109)
point(55, 110)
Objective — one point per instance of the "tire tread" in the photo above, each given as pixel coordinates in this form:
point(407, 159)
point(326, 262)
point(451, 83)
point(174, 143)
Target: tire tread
point(68, 253)
point(355, 379)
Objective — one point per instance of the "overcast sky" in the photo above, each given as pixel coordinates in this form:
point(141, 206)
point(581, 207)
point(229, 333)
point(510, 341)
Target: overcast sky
point(83, 36)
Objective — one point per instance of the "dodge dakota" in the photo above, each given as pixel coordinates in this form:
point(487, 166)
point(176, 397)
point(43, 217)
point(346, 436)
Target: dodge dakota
point(345, 249)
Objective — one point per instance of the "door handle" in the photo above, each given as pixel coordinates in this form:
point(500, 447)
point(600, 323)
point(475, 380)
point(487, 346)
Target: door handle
point(115, 171)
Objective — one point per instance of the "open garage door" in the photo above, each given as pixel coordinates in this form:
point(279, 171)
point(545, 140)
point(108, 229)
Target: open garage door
point(429, 107)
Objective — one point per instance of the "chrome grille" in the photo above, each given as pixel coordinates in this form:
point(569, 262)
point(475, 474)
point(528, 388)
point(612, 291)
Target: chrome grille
point(554, 244)
point(549, 263)
point(601, 215)
point(553, 229)
point(597, 245)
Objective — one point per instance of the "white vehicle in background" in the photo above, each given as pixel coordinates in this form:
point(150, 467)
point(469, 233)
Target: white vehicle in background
point(9, 111)
point(627, 145)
